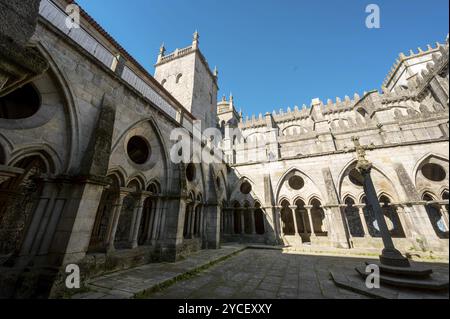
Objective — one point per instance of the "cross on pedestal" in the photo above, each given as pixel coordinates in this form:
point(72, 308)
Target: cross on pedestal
point(390, 255)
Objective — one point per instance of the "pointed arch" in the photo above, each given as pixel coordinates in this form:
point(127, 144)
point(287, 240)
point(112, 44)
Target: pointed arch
point(120, 174)
point(284, 178)
point(44, 151)
point(72, 110)
point(351, 165)
point(426, 157)
point(140, 179)
point(313, 198)
point(164, 150)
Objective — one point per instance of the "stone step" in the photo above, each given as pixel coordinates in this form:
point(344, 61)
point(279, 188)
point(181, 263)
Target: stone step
point(415, 271)
point(431, 283)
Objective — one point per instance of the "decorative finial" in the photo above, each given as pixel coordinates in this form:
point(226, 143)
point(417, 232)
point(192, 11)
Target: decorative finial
point(195, 40)
point(162, 51)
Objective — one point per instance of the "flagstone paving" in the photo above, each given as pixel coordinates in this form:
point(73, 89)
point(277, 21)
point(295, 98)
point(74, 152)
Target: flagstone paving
point(262, 274)
point(248, 274)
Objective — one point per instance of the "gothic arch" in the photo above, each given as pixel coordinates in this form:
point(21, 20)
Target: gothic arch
point(154, 184)
point(313, 198)
point(284, 199)
point(425, 158)
point(120, 174)
point(359, 189)
point(45, 152)
point(164, 151)
point(292, 171)
point(71, 107)
point(438, 167)
point(299, 198)
point(139, 179)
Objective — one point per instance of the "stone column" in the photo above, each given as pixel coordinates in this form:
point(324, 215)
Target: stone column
point(311, 224)
point(362, 217)
point(231, 222)
point(281, 224)
point(114, 222)
point(294, 215)
point(137, 220)
point(337, 232)
point(200, 221)
point(154, 220)
point(242, 212)
point(194, 216)
point(211, 213)
point(302, 214)
point(252, 221)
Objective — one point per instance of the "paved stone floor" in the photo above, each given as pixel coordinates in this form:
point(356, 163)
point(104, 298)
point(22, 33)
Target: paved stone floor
point(248, 274)
point(128, 283)
point(261, 274)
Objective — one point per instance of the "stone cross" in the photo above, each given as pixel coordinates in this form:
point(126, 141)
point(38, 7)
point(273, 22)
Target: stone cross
point(390, 255)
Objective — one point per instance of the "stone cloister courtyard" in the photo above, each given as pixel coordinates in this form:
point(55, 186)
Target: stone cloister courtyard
point(251, 272)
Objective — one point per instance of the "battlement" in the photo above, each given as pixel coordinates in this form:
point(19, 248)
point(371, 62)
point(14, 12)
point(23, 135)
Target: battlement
point(411, 60)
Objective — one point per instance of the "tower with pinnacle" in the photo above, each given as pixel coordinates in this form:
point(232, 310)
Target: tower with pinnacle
point(185, 73)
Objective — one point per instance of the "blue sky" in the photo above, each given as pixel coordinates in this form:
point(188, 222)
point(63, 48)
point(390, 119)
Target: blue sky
point(277, 53)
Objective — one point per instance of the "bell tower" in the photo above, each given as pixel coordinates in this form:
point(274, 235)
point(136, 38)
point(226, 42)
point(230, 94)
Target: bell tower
point(185, 73)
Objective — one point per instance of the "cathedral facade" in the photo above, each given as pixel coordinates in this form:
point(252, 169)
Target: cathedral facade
point(87, 149)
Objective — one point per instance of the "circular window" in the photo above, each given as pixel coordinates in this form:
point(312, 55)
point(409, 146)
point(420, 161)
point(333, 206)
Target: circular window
point(190, 172)
point(138, 150)
point(296, 182)
point(20, 104)
point(246, 188)
point(356, 177)
point(433, 172)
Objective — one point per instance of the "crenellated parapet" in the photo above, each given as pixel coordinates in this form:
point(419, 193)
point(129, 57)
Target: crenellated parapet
point(406, 67)
point(410, 113)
